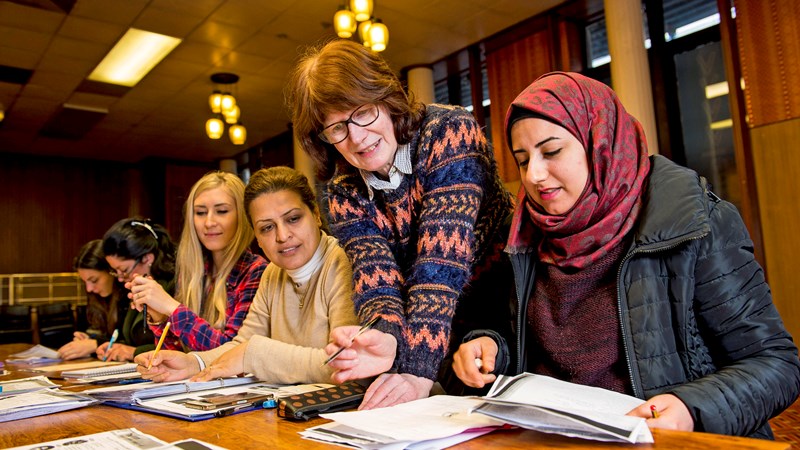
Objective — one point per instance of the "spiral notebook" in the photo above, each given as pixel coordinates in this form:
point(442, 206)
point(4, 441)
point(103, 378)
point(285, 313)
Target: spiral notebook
point(101, 371)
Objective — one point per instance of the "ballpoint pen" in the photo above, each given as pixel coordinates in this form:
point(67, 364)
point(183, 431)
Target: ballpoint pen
point(110, 343)
point(158, 346)
point(144, 316)
point(266, 404)
point(361, 331)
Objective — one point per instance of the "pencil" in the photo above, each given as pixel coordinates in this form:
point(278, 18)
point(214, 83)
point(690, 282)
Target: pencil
point(361, 331)
point(158, 346)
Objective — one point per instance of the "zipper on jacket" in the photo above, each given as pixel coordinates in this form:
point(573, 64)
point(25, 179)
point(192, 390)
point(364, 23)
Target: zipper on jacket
point(638, 390)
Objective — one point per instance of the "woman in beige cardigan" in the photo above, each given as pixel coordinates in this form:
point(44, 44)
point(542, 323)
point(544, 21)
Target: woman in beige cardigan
point(304, 293)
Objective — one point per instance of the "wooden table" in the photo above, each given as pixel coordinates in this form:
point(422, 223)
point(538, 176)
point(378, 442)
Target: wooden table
point(265, 430)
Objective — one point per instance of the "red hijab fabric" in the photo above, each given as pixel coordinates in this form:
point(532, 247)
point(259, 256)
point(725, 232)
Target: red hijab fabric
point(618, 165)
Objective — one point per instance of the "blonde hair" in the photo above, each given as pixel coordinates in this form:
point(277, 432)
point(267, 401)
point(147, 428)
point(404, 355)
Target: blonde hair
point(190, 274)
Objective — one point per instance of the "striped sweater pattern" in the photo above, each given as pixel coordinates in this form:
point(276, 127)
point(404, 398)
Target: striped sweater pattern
point(415, 248)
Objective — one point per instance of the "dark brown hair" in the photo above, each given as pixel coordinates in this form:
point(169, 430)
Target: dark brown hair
point(101, 314)
point(275, 179)
point(339, 76)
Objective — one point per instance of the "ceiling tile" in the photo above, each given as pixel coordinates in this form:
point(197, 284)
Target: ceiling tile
point(115, 11)
point(91, 30)
point(29, 41)
point(31, 19)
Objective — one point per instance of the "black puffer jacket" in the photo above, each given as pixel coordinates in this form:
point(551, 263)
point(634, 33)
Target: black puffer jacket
point(696, 314)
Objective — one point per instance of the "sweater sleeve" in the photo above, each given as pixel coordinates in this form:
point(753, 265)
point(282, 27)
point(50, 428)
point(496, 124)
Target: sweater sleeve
point(195, 333)
point(758, 372)
point(451, 168)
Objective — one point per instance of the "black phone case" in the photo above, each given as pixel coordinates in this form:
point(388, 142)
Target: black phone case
point(311, 404)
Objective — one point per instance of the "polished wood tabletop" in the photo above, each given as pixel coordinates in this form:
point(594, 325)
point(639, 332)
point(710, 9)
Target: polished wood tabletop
point(264, 429)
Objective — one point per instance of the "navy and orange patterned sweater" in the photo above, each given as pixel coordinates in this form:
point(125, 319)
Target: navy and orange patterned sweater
point(416, 248)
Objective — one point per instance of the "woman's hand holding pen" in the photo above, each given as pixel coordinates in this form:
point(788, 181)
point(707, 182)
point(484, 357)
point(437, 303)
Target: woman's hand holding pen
point(229, 364)
point(370, 353)
point(665, 411)
point(167, 365)
point(147, 291)
point(483, 349)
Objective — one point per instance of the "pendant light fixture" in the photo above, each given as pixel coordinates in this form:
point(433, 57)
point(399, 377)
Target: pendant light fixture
point(344, 21)
point(355, 19)
point(226, 109)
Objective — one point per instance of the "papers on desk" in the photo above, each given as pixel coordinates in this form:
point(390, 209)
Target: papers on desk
point(75, 367)
point(434, 422)
point(39, 403)
point(548, 405)
point(173, 405)
point(21, 386)
point(37, 354)
point(529, 401)
point(126, 439)
point(133, 393)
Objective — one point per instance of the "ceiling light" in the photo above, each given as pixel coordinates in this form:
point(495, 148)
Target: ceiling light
point(362, 9)
point(378, 36)
point(133, 57)
point(237, 134)
point(223, 104)
point(214, 128)
point(357, 19)
point(344, 21)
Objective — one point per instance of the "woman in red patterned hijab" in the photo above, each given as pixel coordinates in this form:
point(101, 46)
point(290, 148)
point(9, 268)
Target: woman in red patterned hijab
point(630, 274)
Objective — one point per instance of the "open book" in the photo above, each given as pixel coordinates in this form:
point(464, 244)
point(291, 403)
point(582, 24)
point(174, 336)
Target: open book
point(133, 393)
point(548, 405)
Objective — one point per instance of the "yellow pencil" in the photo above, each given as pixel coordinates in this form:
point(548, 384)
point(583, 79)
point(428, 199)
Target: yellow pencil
point(158, 346)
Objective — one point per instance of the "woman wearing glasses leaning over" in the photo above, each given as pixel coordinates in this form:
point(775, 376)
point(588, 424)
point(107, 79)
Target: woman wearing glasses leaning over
point(413, 195)
point(217, 274)
point(134, 247)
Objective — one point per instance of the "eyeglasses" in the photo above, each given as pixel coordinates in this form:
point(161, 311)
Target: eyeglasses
point(363, 116)
point(126, 274)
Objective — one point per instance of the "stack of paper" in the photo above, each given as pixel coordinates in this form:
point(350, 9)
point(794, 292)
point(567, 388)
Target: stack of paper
point(126, 439)
point(435, 422)
point(37, 354)
point(23, 385)
point(549, 405)
point(39, 403)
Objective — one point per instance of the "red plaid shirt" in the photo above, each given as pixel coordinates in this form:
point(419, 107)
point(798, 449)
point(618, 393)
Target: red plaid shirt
point(190, 332)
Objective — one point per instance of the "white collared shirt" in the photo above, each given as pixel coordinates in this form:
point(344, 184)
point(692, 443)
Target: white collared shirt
point(400, 168)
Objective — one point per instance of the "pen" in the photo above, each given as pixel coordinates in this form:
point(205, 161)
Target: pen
point(361, 331)
point(266, 403)
point(158, 346)
point(110, 343)
point(144, 316)
point(654, 411)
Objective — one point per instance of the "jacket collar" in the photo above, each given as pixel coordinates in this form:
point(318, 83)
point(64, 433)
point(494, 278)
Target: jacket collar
point(674, 207)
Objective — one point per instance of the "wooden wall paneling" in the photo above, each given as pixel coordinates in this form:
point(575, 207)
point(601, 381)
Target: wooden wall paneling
point(179, 180)
point(52, 206)
point(777, 169)
point(769, 46)
point(510, 69)
point(741, 132)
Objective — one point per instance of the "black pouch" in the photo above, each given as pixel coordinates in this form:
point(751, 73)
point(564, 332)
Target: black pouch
point(311, 404)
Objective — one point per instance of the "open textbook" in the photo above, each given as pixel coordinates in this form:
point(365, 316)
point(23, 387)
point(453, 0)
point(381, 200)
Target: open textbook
point(125, 439)
point(39, 403)
point(170, 399)
point(549, 405)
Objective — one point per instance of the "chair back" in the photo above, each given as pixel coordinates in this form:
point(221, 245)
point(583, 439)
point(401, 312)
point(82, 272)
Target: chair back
point(15, 324)
point(56, 324)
